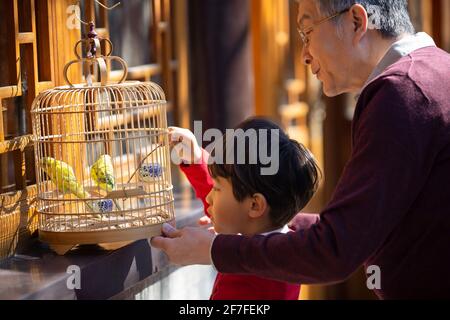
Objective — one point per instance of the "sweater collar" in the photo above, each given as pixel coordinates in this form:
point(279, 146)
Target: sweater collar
point(284, 230)
point(398, 50)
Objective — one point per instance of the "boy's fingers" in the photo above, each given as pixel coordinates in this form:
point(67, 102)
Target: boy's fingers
point(175, 137)
point(203, 221)
point(212, 230)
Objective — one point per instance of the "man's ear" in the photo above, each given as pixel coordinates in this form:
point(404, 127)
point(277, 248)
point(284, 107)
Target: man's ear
point(258, 207)
point(360, 22)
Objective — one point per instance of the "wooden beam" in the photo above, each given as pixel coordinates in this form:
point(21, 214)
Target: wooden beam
point(44, 31)
point(181, 43)
point(256, 29)
point(29, 71)
point(16, 35)
point(19, 143)
point(103, 22)
point(19, 170)
point(2, 132)
point(89, 13)
point(162, 20)
point(136, 73)
point(65, 40)
point(63, 51)
point(29, 67)
point(12, 199)
point(102, 32)
point(8, 55)
point(446, 25)
point(437, 22)
point(45, 85)
point(26, 37)
point(10, 92)
point(427, 16)
point(270, 44)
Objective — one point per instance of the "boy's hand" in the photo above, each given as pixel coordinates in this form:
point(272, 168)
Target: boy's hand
point(206, 223)
point(185, 148)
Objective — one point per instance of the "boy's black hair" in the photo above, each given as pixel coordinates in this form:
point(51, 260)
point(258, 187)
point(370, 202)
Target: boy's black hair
point(289, 190)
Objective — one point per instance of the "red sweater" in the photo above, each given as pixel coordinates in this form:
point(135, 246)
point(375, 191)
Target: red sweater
point(391, 207)
point(236, 287)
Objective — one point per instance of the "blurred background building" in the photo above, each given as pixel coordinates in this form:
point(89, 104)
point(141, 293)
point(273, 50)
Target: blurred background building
point(218, 61)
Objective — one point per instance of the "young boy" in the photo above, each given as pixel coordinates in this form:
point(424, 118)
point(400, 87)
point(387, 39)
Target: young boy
point(239, 199)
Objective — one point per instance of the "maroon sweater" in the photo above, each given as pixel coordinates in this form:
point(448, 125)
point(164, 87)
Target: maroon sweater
point(391, 207)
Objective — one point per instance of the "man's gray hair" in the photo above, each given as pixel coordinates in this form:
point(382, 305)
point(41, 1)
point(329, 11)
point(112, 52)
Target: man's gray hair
point(392, 17)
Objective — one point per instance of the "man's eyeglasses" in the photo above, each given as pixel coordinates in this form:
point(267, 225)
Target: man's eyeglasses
point(304, 34)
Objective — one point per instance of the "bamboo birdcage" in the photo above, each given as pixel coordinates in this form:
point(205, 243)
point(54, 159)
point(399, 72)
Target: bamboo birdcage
point(82, 133)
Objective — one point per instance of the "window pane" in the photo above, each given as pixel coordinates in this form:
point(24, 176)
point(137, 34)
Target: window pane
point(129, 27)
point(8, 70)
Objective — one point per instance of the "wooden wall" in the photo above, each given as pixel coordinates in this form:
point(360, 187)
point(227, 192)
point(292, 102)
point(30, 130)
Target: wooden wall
point(37, 39)
point(31, 63)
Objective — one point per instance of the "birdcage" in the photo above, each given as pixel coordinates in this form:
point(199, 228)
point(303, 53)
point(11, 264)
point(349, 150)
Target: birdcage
point(102, 157)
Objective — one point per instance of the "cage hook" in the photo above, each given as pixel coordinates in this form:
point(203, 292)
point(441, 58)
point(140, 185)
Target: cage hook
point(78, 18)
point(100, 4)
point(107, 8)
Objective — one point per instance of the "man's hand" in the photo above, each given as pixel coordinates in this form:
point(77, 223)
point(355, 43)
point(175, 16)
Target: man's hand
point(186, 246)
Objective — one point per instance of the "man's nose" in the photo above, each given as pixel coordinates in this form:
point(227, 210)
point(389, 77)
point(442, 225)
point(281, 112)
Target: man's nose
point(306, 56)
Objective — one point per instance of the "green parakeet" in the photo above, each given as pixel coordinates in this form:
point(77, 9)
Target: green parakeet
point(62, 175)
point(102, 173)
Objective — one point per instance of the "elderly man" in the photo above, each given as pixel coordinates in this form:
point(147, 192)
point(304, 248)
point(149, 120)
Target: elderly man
point(391, 208)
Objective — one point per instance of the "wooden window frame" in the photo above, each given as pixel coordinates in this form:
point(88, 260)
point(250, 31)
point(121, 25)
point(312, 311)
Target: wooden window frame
point(53, 51)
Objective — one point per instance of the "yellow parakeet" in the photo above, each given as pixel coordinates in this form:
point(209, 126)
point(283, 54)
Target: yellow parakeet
point(62, 175)
point(102, 173)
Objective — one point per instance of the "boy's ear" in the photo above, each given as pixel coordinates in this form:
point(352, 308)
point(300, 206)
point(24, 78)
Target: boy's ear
point(259, 206)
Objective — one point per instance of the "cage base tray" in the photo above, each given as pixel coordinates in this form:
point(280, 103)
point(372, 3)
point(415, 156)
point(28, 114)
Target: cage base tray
point(115, 245)
point(61, 249)
point(63, 242)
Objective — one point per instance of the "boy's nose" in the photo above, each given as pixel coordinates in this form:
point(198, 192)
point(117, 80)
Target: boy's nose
point(209, 198)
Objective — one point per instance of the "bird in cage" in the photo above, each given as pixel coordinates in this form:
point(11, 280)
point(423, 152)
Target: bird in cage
point(149, 172)
point(101, 206)
point(125, 119)
point(102, 173)
point(63, 176)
